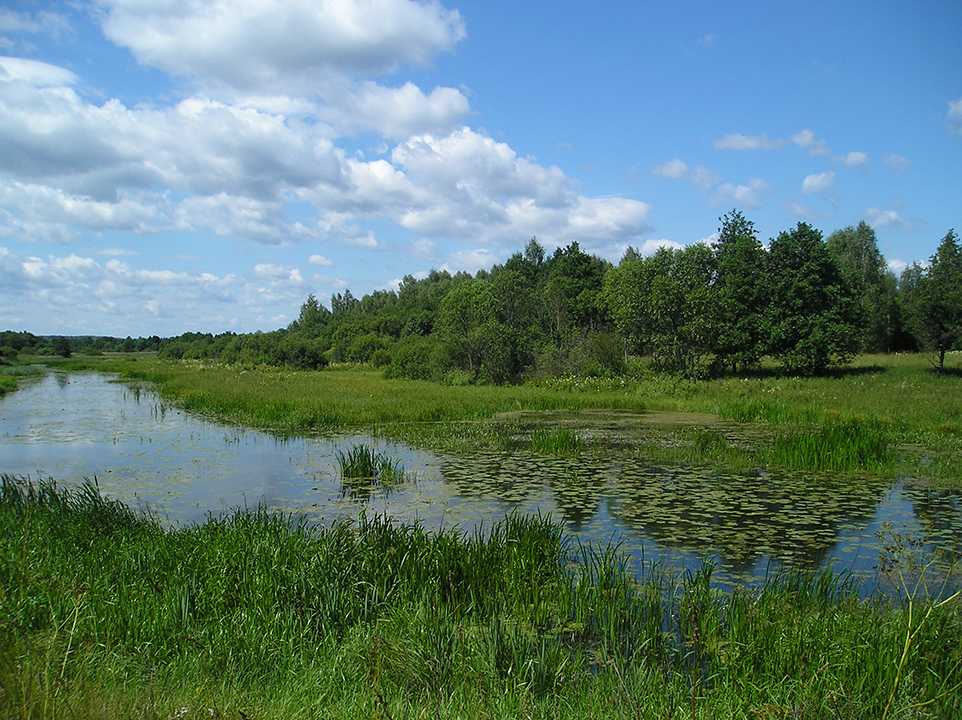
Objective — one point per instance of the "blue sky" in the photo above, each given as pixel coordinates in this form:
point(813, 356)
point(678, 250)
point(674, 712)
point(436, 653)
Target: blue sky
point(169, 166)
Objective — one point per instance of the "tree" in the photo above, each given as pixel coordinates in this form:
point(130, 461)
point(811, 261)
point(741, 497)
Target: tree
point(61, 346)
point(740, 294)
point(937, 303)
point(856, 250)
point(814, 317)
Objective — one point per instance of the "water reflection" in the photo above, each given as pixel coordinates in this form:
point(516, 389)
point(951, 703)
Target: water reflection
point(149, 454)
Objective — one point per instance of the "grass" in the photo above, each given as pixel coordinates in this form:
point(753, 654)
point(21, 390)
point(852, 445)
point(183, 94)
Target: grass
point(555, 441)
point(105, 614)
point(888, 414)
point(364, 469)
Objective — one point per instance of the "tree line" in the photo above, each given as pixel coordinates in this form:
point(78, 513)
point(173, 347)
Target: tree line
point(807, 302)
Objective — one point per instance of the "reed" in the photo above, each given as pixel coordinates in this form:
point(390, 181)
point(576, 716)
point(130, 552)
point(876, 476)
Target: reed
point(104, 613)
point(555, 441)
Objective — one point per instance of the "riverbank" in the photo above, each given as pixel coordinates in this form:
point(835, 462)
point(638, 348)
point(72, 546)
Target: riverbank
point(104, 614)
point(887, 415)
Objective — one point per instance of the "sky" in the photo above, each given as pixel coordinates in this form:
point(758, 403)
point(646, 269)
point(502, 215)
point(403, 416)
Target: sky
point(205, 165)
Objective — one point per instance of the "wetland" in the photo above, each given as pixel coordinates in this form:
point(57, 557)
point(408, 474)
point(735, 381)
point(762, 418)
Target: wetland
point(183, 467)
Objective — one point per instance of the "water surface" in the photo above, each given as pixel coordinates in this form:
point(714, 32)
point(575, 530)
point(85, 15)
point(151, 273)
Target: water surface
point(181, 467)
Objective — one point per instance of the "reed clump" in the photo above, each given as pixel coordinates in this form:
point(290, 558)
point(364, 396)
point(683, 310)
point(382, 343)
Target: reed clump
point(555, 441)
point(104, 613)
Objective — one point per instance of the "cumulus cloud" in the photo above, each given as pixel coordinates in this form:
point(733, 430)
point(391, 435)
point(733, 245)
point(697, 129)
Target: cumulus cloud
point(818, 183)
point(853, 159)
point(807, 141)
point(737, 141)
point(398, 113)
point(896, 162)
point(320, 261)
point(281, 45)
point(77, 294)
point(746, 196)
point(886, 219)
point(804, 212)
point(699, 176)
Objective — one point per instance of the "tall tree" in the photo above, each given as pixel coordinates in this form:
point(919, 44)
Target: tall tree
point(856, 250)
point(740, 293)
point(937, 302)
point(814, 317)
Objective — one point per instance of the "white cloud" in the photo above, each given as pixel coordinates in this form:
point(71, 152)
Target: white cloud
point(707, 40)
point(699, 176)
point(240, 218)
point(471, 260)
point(650, 247)
point(886, 219)
point(954, 116)
point(804, 212)
point(292, 45)
point(853, 159)
point(397, 113)
point(737, 141)
point(818, 183)
point(672, 170)
point(807, 141)
point(746, 196)
point(320, 261)
point(34, 72)
point(897, 266)
point(896, 162)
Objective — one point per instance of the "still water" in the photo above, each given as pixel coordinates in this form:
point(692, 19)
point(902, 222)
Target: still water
point(181, 468)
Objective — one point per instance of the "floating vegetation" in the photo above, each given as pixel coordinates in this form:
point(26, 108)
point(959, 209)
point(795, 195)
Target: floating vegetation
point(557, 441)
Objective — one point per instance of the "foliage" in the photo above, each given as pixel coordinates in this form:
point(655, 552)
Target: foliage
point(936, 300)
point(814, 317)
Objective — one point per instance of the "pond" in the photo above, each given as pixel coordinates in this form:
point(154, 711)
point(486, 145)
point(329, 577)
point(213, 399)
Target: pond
point(181, 467)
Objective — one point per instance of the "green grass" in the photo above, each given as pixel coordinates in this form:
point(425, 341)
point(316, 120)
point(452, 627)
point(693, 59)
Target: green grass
point(105, 614)
point(910, 419)
point(555, 441)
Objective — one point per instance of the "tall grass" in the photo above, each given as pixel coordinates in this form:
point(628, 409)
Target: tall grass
point(103, 613)
point(851, 444)
point(555, 441)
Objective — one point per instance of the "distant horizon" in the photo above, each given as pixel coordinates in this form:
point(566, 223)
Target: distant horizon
point(171, 168)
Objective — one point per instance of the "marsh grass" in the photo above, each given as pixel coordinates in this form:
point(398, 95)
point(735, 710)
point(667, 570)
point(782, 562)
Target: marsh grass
point(846, 445)
point(105, 614)
point(555, 441)
point(897, 396)
point(364, 469)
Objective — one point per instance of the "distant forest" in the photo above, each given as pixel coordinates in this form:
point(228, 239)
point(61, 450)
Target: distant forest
point(808, 303)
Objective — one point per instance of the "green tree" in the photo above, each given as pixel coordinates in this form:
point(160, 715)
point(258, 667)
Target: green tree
point(936, 304)
point(856, 250)
point(740, 294)
point(814, 317)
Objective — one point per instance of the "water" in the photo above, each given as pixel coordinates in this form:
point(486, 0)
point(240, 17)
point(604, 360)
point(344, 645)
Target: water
point(182, 468)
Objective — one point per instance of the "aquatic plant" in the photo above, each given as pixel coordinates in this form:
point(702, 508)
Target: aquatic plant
point(556, 441)
point(363, 469)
